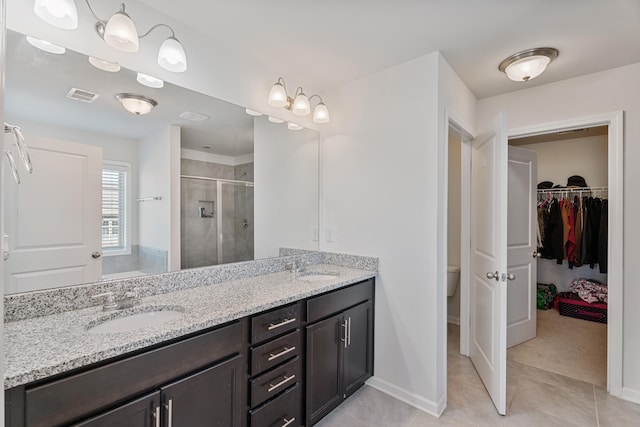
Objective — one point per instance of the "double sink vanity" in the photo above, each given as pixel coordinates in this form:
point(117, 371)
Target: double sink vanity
point(248, 344)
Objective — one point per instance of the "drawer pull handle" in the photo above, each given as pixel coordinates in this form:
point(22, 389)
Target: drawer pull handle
point(287, 422)
point(169, 407)
point(156, 415)
point(284, 351)
point(281, 383)
point(273, 326)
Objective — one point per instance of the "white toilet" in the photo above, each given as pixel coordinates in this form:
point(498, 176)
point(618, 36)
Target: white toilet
point(453, 278)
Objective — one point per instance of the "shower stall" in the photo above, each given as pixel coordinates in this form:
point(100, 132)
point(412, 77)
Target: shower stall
point(216, 221)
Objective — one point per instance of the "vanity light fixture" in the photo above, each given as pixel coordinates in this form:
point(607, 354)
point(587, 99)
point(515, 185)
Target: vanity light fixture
point(59, 13)
point(300, 104)
point(119, 31)
point(528, 64)
point(275, 120)
point(46, 46)
point(149, 81)
point(253, 112)
point(136, 104)
point(293, 126)
point(103, 65)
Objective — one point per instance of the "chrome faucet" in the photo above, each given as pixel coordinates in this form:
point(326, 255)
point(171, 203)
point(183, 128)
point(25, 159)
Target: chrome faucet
point(131, 298)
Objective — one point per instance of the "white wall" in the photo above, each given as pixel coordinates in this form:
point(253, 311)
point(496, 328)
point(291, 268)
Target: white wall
point(381, 153)
point(604, 92)
point(113, 148)
point(286, 188)
point(159, 155)
point(558, 160)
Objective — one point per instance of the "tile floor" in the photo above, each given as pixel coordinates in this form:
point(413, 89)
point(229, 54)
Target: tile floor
point(534, 398)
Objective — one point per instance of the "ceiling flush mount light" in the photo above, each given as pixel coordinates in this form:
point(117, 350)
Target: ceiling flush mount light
point(149, 81)
point(119, 31)
point(300, 104)
point(136, 104)
point(528, 64)
point(59, 13)
point(46, 46)
point(103, 65)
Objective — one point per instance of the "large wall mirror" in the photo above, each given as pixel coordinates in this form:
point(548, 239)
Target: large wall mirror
point(195, 182)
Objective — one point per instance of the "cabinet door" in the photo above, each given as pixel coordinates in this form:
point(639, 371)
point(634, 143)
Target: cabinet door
point(324, 367)
point(358, 355)
point(212, 397)
point(139, 413)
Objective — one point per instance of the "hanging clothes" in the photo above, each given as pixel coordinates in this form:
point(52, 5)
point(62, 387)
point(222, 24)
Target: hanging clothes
point(595, 207)
point(577, 206)
point(603, 238)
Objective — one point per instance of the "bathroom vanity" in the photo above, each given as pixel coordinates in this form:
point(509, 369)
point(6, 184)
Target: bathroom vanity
point(268, 350)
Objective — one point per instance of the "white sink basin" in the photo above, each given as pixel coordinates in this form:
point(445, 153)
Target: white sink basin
point(134, 321)
point(318, 277)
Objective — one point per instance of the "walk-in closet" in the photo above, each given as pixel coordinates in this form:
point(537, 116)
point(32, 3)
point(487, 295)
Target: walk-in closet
point(572, 255)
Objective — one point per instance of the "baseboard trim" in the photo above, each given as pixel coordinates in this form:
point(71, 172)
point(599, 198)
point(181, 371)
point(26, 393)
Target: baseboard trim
point(454, 320)
point(430, 407)
point(631, 395)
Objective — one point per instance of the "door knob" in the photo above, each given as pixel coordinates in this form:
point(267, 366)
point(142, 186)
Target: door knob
point(96, 254)
point(536, 254)
point(511, 276)
point(495, 275)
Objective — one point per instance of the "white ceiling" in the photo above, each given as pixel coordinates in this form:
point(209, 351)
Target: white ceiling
point(331, 42)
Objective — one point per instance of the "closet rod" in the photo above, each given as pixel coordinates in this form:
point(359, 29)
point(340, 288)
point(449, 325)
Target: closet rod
point(573, 190)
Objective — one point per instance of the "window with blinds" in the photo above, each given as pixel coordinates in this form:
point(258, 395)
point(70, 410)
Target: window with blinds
point(114, 207)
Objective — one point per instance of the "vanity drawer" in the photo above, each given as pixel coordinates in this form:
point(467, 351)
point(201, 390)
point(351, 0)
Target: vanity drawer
point(286, 410)
point(276, 322)
point(271, 383)
point(274, 352)
point(337, 301)
point(71, 398)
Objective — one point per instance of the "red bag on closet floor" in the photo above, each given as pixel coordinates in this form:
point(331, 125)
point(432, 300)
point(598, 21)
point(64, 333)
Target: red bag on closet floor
point(570, 304)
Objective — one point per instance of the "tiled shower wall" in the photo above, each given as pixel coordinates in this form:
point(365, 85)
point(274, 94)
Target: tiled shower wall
point(199, 236)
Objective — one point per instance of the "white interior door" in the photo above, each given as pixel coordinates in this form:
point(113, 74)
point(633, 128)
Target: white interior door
point(488, 299)
point(521, 246)
point(53, 217)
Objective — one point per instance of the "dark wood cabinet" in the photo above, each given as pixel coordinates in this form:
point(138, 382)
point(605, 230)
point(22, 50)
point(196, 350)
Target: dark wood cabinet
point(141, 412)
point(339, 350)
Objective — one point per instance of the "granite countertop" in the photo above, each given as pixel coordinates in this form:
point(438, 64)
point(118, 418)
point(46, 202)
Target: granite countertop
point(39, 347)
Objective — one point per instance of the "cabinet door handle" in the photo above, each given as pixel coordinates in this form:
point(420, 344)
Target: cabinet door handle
point(156, 415)
point(273, 326)
point(287, 422)
point(284, 351)
point(349, 332)
point(346, 332)
point(272, 387)
point(169, 407)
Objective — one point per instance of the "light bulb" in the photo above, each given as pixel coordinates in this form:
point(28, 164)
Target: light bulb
point(121, 33)
point(275, 120)
point(149, 81)
point(171, 56)
point(136, 104)
point(103, 65)
point(46, 46)
point(321, 113)
point(278, 95)
point(59, 13)
point(301, 105)
point(528, 68)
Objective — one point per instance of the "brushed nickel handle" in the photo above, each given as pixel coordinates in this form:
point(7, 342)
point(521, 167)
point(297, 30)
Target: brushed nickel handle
point(272, 387)
point(344, 340)
point(495, 275)
point(511, 276)
point(156, 415)
point(273, 326)
point(282, 353)
point(12, 165)
point(287, 422)
point(537, 254)
point(169, 407)
point(349, 332)
point(96, 254)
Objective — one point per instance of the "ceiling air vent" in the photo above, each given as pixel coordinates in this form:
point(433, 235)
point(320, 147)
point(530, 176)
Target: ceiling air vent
point(82, 95)
point(193, 116)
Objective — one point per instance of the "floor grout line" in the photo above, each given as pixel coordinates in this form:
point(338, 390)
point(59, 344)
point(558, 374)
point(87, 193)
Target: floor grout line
point(595, 402)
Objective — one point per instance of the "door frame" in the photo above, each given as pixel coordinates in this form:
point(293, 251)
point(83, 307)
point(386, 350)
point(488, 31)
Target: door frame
point(614, 121)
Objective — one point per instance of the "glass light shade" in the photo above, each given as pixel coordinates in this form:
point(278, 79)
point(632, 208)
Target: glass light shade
point(528, 68)
point(121, 33)
point(136, 104)
point(103, 65)
point(46, 46)
point(59, 13)
point(149, 81)
point(301, 105)
point(171, 56)
point(275, 120)
point(278, 95)
point(293, 126)
point(321, 113)
point(253, 112)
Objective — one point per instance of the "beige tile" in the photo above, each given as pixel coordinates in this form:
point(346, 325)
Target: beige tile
point(425, 420)
point(569, 404)
point(338, 418)
point(613, 412)
point(547, 377)
point(377, 409)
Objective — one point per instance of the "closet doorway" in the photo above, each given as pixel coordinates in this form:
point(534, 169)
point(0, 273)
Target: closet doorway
point(571, 226)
